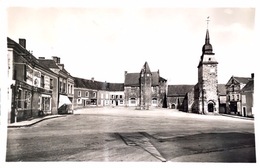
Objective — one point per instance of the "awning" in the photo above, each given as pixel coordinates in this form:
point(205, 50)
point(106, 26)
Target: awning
point(64, 100)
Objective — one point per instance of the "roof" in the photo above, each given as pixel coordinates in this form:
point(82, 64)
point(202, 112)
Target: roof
point(49, 63)
point(249, 86)
point(177, 90)
point(29, 57)
point(146, 68)
point(243, 80)
point(222, 89)
point(132, 79)
point(96, 85)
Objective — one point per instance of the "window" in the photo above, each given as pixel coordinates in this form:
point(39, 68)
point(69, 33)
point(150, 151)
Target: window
point(116, 96)
point(237, 97)
point(25, 73)
point(132, 100)
point(51, 83)
point(25, 99)
point(87, 94)
point(64, 88)
point(112, 96)
point(69, 88)
point(42, 81)
point(79, 94)
point(94, 94)
point(120, 96)
point(19, 103)
point(233, 97)
point(154, 101)
point(60, 86)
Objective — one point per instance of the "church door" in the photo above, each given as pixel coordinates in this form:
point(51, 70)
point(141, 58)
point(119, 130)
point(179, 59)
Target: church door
point(210, 107)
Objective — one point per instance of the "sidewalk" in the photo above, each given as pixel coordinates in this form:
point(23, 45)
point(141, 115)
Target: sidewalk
point(29, 123)
point(236, 116)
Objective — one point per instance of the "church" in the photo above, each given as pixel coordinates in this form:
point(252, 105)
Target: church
point(145, 89)
point(202, 98)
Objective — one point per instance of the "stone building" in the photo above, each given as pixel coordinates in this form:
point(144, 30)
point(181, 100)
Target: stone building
point(247, 101)
point(33, 87)
point(202, 98)
point(236, 103)
point(91, 93)
point(145, 89)
point(206, 90)
point(176, 96)
point(65, 83)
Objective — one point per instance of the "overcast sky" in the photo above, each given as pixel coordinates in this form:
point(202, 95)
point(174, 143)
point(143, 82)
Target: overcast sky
point(103, 42)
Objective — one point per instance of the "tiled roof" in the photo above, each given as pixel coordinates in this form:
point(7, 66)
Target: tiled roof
point(96, 85)
point(132, 79)
point(49, 63)
point(249, 86)
point(26, 54)
point(177, 90)
point(222, 89)
point(243, 80)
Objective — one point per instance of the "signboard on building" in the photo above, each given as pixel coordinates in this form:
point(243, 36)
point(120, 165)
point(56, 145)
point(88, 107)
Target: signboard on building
point(29, 75)
point(36, 78)
point(46, 82)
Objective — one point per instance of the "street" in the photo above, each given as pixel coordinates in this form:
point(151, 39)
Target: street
point(127, 135)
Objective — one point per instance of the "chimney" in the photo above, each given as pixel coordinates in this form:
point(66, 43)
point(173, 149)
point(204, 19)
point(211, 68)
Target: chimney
point(56, 59)
point(92, 79)
point(41, 58)
point(22, 42)
point(125, 72)
point(252, 75)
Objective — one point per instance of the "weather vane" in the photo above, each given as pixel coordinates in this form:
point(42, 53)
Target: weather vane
point(207, 22)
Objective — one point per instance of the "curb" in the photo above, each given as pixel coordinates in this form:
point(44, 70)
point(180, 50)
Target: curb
point(19, 125)
point(239, 117)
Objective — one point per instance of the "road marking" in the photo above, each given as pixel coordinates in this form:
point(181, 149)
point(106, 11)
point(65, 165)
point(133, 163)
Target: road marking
point(137, 139)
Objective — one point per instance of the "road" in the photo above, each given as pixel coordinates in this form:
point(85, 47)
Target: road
point(129, 135)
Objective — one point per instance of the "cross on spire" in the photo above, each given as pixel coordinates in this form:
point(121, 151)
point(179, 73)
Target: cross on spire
point(207, 22)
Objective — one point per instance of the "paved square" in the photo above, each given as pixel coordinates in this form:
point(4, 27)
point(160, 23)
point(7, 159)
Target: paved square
point(126, 134)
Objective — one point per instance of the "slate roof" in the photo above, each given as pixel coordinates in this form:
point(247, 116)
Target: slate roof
point(243, 80)
point(249, 86)
point(181, 90)
point(132, 79)
point(178, 90)
point(222, 89)
point(49, 63)
point(96, 85)
point(30, 58)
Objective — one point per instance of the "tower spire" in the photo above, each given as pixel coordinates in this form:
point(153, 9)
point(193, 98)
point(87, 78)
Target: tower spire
point(207, 47)
point(207, 22)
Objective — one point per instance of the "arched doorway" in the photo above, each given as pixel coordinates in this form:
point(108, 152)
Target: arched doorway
point(211, 106)
point(173, 106)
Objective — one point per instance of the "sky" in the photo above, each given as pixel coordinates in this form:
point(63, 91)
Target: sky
point(104, 42)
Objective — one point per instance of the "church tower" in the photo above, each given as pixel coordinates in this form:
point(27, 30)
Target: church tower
point(145, 87)
point(208, 80)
